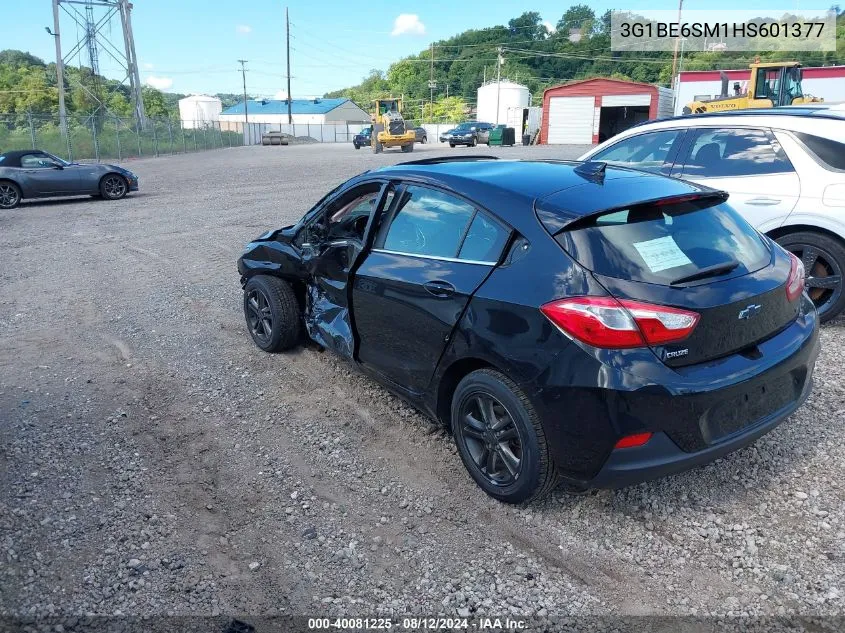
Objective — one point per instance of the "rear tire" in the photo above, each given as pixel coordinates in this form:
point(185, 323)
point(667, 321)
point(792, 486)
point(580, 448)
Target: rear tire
point(406, 149)
point(272, 313)
point(452, 145)
point(424, 140)
point(377, 148)
point(10, 194)
point(824, 263)
point(113, 187)
point(491, 416)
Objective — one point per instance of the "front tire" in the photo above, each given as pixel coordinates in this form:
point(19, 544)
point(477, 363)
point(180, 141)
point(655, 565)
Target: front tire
point(272, 313)
point(113, 187)
point(452, 145)
point(408, 148)
point(500, 438)
point(377, 148)
point(824, 263)
point(424, 140)
point(10, 195)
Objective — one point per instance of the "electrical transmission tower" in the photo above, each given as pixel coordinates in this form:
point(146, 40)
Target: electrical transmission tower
point(93, 27)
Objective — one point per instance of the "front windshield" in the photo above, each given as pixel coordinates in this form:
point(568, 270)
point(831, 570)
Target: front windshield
point(465, 126)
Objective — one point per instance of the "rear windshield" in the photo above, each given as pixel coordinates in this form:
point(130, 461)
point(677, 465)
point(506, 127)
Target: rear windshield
point(665, 244)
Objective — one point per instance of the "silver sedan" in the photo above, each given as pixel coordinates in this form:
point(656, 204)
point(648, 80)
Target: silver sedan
point(37, 174)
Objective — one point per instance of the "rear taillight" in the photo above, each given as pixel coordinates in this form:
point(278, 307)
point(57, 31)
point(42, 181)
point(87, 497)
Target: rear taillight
point(618, 323)
point(795, 283)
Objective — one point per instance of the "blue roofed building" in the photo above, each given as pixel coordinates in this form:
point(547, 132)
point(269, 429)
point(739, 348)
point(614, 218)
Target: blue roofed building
point(318, 110)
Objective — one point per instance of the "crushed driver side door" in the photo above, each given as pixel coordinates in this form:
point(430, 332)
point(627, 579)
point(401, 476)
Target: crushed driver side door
point(331, 246)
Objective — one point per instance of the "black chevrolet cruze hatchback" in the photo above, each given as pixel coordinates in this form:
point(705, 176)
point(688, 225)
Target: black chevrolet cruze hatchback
point(567, 322)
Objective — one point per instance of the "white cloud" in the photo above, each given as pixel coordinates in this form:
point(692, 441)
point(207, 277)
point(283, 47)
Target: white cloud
point(148, 66)
point(282, 94)
point(159, 83)
point(549, 26)
point(243, 29)
point(408, 23)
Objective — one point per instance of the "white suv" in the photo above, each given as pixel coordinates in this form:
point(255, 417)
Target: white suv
point(784, 169)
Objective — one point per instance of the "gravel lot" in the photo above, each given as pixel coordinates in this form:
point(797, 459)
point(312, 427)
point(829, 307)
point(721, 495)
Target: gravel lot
point(154, 461)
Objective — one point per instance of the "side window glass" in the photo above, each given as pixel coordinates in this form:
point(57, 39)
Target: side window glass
point(427, 222)
point(347, 216)
point(649, 151)
point(35, 160)
point(767, 83)
point(735, 152)
point(484, 241)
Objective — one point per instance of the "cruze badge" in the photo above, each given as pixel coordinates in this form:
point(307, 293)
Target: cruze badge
point(750, 311)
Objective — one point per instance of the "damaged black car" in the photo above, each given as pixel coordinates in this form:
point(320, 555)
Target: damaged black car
point(574, 323)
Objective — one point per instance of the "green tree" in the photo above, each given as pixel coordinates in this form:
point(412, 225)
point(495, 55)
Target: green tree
point(579, 16)
point(155, 104)
point(528, 26)
point(446, 110)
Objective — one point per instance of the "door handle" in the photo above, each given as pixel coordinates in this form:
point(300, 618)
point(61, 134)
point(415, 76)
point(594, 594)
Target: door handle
point(439, 288)
point(764, 202)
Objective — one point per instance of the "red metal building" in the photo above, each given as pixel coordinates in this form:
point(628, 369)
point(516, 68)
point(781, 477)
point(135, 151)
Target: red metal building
point(591, 110)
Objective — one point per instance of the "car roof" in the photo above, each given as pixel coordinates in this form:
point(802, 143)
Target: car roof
point(13, 158)
point(510, 188)
point(815, 111)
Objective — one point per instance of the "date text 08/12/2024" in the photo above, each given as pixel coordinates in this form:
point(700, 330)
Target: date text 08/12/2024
point(417, 624)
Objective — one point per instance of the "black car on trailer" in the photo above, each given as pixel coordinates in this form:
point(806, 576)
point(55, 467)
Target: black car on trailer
point(575, 322)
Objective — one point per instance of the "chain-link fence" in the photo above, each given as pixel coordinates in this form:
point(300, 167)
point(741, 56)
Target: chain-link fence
point(100, 137)
point(107, 137)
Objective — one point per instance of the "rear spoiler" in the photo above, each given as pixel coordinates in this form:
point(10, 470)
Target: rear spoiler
point(555, 221)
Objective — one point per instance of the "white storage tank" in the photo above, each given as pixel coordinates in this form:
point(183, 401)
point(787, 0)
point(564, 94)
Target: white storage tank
point(198, 111)
point(510, 95)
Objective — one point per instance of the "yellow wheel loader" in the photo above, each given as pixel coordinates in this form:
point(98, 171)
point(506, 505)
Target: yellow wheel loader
point(389, 128)
point(772, 84)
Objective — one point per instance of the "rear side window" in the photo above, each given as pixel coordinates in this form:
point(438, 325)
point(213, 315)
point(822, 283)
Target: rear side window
point(831, 153)
point(735, 152)
point(662, 244)
point(484, 241)
point(427, 222)
point(649, 151)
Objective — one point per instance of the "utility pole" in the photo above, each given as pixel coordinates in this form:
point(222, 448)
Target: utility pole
point(287, 30)
point(498, 80)
point(431, 83)
point(132, 62)
point(677, 39)
point(60, 69)
point(246, 108)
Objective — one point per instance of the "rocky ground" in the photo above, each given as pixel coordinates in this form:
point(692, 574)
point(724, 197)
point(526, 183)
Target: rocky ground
point(154, 461)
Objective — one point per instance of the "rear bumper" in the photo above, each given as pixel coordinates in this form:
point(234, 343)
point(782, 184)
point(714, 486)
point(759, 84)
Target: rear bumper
point(696, 414)
point(661, 456)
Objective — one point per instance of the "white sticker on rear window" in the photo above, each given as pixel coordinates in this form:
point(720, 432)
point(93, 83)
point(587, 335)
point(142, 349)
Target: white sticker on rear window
point(661, 254)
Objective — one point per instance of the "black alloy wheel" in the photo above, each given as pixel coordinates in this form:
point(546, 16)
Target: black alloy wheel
point(113, 187)
point(10, 195)
point(259, 317)
point(823, 258)
point(272, 313)
point(500, 438)
point(491, 438)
